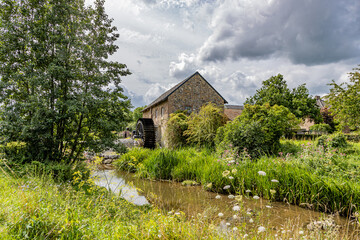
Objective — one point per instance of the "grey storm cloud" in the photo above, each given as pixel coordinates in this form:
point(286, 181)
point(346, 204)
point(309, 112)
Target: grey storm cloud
point(309, 32)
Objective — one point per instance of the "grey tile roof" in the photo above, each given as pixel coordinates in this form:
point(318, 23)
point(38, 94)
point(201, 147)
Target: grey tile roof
point(166, 94)
point(234, 107)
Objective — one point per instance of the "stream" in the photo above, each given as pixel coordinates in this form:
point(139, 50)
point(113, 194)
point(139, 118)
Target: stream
point(195, 201)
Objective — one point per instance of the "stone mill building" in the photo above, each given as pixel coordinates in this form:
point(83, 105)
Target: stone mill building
point(190, 94)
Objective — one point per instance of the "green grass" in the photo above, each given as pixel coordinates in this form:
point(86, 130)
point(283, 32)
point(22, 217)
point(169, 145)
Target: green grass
point(305, 174)
point(37, 207)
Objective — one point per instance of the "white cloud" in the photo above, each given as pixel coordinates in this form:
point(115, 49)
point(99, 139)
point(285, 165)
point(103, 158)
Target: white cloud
point(155, 91)
point(134, 37)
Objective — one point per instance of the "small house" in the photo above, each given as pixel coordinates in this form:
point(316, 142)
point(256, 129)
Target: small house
point(190, 94)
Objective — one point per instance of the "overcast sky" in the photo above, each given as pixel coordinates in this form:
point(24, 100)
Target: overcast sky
point(235, 45)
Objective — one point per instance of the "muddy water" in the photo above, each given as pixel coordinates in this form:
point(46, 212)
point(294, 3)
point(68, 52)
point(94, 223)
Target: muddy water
point(195, 201)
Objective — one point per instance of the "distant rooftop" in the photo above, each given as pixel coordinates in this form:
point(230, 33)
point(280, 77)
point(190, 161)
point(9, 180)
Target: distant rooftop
point(240, 107)
point(319, 102)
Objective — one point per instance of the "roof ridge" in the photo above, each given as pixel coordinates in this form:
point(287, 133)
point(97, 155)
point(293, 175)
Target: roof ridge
point(166, 94)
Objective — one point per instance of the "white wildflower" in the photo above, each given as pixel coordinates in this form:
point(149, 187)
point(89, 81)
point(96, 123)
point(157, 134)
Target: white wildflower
point(220, 214)
point(218, 197)
point(274, 180)
point(236, 208)
point(256, 197)
point(261, 229)
point(226, 187)
point(262, 173)
point(251, 220)
point(231, 196)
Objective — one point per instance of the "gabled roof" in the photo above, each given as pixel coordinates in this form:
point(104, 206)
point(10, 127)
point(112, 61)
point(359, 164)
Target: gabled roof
point(319, 102)
point(166, 94)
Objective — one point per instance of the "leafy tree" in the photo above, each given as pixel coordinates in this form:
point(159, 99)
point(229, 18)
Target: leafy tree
point(344, 100)
point(258, 129)
point(55, 75)
point(134, 117)
point(276, 92)
point(202, 126)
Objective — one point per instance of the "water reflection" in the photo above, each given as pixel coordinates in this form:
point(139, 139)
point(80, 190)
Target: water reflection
point(195, 201)
point(110, 180)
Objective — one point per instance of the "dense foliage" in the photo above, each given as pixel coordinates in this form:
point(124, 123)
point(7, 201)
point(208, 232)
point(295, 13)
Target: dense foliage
point(298, 101)
point(134, 117)
point(258, 129)
point(344, 100)
point(202, 126)
point(55, 93)
point(321, 128)
point(175, 128)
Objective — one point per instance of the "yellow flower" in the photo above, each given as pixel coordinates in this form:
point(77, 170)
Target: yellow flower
point(234, 171)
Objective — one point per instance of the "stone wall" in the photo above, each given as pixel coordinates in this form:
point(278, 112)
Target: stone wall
point(192, 95)
point(306, 124)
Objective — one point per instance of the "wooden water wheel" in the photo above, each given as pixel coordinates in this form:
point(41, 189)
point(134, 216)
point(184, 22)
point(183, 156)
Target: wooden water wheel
point(145, 130)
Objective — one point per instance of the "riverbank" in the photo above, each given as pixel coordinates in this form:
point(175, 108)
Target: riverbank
point(302, 174)
point(37, 207)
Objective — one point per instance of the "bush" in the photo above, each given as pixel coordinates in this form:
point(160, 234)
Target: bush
point(14, 152)
point(131, 160)
point(333, 141)
point(258, 129)
point(321, 128)
point(176, 126)
point(202, 126)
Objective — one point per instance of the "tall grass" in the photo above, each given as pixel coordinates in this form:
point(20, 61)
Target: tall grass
point(40, 208)
point(325, 181)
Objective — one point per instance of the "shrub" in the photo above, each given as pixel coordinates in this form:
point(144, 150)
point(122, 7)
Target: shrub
point(176, 126)
point(321, 128)
point(333, 141)
point(131, 160)
point(258, 129)
point(14, 152)
point(202, 126)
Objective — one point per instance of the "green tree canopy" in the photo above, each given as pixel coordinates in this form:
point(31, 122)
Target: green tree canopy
point(134, 117)
point(276, 92)
point(344, 100)
point(55, 92)
point(258, 129)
